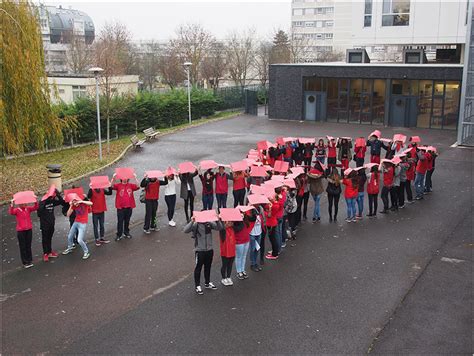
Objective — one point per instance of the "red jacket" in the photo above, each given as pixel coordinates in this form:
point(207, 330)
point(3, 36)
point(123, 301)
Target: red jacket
point(282, 204)
point(373, 185)
point(288, 152)
point(388, 176)
point(350, 191)
point(332, 153)
point(243, 236)
point(152, 190)
point(411, 171)
point(222, 184)
point(239, 182)
point(423, 163)
point(98, 201)
point(124, 197)
point(360, 151)
point(272, 215)
point(228, 245)
point(23, 216)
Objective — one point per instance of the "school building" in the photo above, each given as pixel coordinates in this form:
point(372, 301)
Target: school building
point(421, 95)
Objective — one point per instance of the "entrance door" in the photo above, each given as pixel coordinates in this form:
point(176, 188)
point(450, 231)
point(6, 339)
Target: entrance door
point(315, 106)
point(403, 111)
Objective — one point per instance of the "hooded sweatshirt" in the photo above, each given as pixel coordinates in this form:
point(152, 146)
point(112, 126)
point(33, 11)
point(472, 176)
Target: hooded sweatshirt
point(202, 234)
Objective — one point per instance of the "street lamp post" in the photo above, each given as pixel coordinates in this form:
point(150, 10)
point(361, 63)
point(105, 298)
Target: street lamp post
point(97, 71)
point(187, 66)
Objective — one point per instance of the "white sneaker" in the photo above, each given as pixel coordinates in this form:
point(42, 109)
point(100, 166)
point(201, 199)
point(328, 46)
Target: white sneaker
point(172, 223)
point(199, 290)
point(229, 282)
point(210, 286)
point(224, 281)
point(68, 250)
point(86, 256)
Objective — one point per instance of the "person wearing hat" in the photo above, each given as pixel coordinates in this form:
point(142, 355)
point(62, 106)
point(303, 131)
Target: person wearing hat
point(82, 210)
point(24, 229)
point(47, 222)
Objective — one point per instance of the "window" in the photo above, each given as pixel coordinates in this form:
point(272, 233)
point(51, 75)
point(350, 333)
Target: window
point(329, 23)
point(298, 23)
point(44, 23)
point(309, 23)
point(328, 36)
point(78, 91)
point(396, 13)
point(355, 57)
point(368, 13)
point(412, 57)
point(319, 24)
point(320, 10)
point(297, 12)
point(329, 10)
point(319, 36)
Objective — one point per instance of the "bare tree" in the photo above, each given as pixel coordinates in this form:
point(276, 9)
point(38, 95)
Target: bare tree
point(262, 60)
point(213, 66)
point(300, 49)
point(149, 64)
point(79, 54)
point(240, 52)
point(112, 54)
point(330, 56)
point(191, 45)
point(171, 68)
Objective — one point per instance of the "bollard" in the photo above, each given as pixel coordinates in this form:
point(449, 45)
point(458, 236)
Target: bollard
point(54, 176)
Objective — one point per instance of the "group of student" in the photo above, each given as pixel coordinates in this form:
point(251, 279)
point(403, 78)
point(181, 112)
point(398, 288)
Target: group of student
point(271, 189)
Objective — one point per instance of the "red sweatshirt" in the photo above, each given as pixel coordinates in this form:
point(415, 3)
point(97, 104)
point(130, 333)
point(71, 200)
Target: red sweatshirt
point(388, 176)
point(228, 245)
point(282, 204)
point(272, 218)
point(124, 197)
point(373, 186)
point(423, 164)
point(222, 184)
point(98, 201)
point(23, 216)
point(332, 153)
point(243, 236)
point(360, 151)
point(350, 191)
point(152, 190)
point(239, 182)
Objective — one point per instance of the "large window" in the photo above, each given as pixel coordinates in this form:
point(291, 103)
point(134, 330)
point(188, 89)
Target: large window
point(297, 12)
point(78, 91)
point(368, 13)
point(396, 13)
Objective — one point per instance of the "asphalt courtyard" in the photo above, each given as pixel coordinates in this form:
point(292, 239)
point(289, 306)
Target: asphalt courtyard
point(399, 284)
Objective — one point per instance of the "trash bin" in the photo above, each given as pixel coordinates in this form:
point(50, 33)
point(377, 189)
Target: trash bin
point(54, 176)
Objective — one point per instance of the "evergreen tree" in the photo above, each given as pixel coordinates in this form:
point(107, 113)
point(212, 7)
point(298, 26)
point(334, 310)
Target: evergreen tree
point(281, 52)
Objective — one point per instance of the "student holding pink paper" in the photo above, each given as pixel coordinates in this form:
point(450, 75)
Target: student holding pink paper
point(152, 194)
point(172, 181)
point(238, 189)
point(222, 187)
point(320, 152)
point(124, 203)
point(373, 188)
point(344, 145)
point(227, 248)
point(24, 230)
point(359, 152)
point(350, 193)
point(47, 221)
point(99, 207)
point(207, 180)
point(333, 191)
point(188, 192)
point(81, 208)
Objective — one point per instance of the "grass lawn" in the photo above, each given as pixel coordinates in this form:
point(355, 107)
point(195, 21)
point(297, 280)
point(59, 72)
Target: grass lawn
point(30, 173)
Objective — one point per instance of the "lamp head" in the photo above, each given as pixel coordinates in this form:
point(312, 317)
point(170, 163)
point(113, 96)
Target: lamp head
point(96, 70)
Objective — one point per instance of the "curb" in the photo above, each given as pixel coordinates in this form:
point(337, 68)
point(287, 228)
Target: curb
point(121, 155)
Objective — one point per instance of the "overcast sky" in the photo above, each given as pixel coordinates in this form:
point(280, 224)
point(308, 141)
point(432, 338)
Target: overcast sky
point(159, 19)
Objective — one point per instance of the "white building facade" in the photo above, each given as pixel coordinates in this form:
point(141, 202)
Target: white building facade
point(383, 27)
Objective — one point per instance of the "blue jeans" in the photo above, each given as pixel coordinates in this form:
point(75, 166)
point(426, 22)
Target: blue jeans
point(254, 240)
point(321, 159)
point(207, 200)
point(360, 202)
point(241, 256)
point(419, 184)
point(221, 200)
point(81, 230)
point(351, 207)
point(279, 233)
point(317, 199)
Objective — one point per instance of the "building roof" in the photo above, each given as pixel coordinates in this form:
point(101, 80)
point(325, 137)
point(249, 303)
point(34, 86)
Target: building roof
point(376, 64)
point(63, 19)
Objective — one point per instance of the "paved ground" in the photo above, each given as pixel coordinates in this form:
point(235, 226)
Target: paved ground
point(398, 284)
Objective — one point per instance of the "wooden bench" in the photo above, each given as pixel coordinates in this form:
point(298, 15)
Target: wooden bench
point(136, 142)
point(151, 133)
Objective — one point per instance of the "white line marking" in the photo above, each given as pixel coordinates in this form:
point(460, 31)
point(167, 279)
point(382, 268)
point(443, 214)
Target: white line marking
point(163, 289)
point(451, 260)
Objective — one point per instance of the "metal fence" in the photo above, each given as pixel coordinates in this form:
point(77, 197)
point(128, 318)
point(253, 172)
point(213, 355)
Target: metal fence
point(238, 96)
point(466, 113)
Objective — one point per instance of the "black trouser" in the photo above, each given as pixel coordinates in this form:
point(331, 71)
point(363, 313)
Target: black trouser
point(373, 204)
point(401, 194)
point(333, 200)
point(239, 196)
point(24, 241)
point(221, 200)
point(273, 240)
point(428, 182)
point(292, 221)
point(299, 204)
point(226, 269)
point(384, 196)
point(170, 203)
point(47, 232)
point(98, 223)
point(189, 202)
point(123, 221)
point(151, 206)
point(203, 258)
point(408, 190)
point(394, 196)
point(305, 204)
point(307, 161)
point(359, 162)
